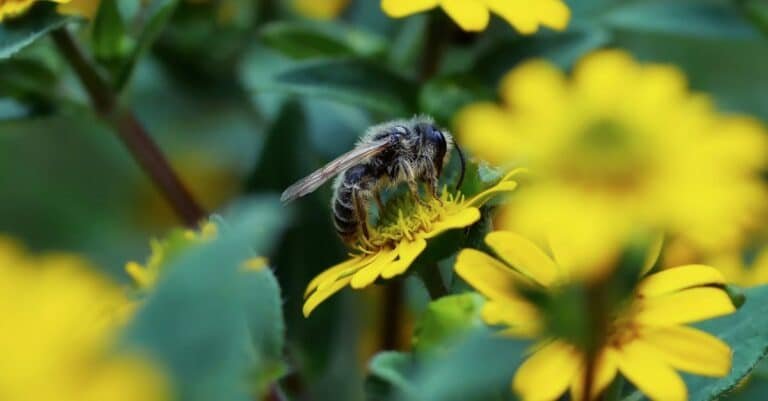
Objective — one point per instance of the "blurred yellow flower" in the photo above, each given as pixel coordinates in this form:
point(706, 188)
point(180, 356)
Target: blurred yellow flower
point(83, 8)
point(162, 252)
point(59, 324)
point(740, 272)
point(399, 238)
point(80, 8)
point(473, 15)
point(647, 340)
point(320, 9)
point(620, 147)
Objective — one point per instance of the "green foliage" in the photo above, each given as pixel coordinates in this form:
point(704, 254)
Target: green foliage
point(20, 33)
point(302, 39)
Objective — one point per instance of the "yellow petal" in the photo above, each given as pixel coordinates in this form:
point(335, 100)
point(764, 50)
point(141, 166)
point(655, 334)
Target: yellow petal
point(335, 271)
point(519, 14)
point(679, 278)
point(520, 316)
point(256, 263)
point(691, 350)
point(524, 256)
point(401, 8)
point(686, 306)
point(605, 372)
point(321, 295)
point(553, 13)
point(546, 374)
point(642, 366)
point(368, 274)
point(469, 15)
point(464, 218)
point(488, 276)
point(407, 252)
point(503, 186)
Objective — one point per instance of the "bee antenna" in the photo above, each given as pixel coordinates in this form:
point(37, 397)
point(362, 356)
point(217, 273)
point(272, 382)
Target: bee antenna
point(463, 166)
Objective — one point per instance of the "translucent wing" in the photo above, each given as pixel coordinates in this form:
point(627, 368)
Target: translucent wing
point(313, 181)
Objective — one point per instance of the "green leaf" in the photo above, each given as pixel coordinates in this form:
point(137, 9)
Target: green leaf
point(110, 43)
point(353, 81)
point(158, 14)
point(479, 368)
point(388, 376)
point(562, 49)
point(685, 18)
point(17, 33)
point(306, 39)
point(446, 320)
point(757, 12)
point(745, 331)
point(211, 323)
point(443, 97)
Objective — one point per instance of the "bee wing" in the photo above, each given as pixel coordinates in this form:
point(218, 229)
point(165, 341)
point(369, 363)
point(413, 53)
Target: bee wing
point(313, 181)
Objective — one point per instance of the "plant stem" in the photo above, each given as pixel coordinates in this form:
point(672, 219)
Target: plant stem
point(130, 131)
point(391, 324)
point(433, 281)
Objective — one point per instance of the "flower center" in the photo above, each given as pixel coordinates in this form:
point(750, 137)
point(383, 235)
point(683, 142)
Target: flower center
point(404, 216)
point(605, 156)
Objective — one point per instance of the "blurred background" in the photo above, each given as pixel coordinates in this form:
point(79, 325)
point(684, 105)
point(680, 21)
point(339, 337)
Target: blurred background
point(246, 96)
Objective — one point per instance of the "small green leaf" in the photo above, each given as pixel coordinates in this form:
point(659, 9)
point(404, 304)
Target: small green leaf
point(355, 82)
point(389, 376)
point(110, 43)
point(15, 34)
point(446, 320)
point(684, 18)
point(305, 39)
point(158, 14)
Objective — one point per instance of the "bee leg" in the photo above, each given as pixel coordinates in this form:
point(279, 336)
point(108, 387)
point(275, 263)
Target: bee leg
point(362, 215)
point(379, 203)
point(413, 186)
point(431, 185)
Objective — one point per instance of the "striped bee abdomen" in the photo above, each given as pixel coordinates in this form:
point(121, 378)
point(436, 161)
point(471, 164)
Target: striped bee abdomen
point(351, 195)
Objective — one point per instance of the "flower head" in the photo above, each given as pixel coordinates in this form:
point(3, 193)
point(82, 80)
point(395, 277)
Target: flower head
point(620, 147)
point(400, 236)
point(163, 252)
point(58, 319)
point(83, 8)
point(646, 339)
point(320, 9)
point(473, 15)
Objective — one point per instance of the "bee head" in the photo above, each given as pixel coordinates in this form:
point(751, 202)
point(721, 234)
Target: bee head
point(432, 137)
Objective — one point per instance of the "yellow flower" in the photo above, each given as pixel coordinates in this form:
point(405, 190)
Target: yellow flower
point(473, 15)
point(620, 147)
point(83, 8)
point(400, 236)
point(58, 320)
point(647, 340)
point(162, 252)
point(737, 271)
point(320, 9)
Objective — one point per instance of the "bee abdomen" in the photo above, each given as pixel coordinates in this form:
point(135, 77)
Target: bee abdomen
point(344, 216)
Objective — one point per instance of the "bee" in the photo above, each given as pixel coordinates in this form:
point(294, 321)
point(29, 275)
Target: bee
point(403, 151)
